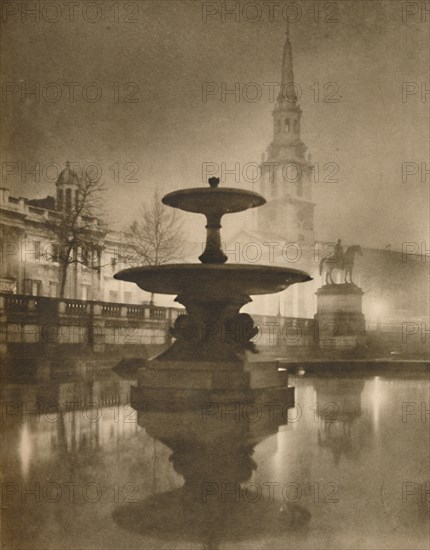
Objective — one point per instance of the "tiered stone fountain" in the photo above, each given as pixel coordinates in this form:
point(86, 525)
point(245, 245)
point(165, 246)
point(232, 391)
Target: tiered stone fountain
point(213, 340)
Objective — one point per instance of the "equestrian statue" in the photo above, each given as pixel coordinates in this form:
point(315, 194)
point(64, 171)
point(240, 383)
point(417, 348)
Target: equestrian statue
point(340, 260)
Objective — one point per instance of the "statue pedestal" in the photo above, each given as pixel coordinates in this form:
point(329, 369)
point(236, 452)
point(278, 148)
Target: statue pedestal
point(341, 323)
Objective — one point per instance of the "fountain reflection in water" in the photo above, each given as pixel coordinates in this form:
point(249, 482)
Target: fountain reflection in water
point(117, 456)
point(213, 452)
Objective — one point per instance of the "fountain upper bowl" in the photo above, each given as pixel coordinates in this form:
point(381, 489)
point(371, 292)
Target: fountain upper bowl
point(213, 280)
point(208, 200)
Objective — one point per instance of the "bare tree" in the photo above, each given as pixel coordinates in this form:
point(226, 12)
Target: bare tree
point(157, 237)
point(78, 230)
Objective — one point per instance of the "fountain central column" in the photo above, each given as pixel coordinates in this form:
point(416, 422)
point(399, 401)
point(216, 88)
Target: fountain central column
point(213, 253)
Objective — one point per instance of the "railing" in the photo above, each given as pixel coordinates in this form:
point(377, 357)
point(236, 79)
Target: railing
point(25, 304)
point(111, 309)
point(110, 323)
point(40, 305)
point(107, 399)
point(136, 312)
point(16, 303)
point(75, 307)
point(158, 313)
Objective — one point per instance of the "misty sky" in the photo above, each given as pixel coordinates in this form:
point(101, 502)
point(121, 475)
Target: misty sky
point(169, 52)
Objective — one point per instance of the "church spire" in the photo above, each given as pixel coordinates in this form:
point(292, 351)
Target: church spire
point(287, 113)
point(288, 88)
point(288, 189)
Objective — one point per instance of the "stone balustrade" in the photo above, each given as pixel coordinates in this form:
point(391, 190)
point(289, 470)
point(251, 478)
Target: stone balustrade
point(38, 319)
point(17, 304)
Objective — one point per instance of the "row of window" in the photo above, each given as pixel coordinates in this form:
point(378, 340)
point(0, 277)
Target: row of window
point(34, 287)
point(36, 251)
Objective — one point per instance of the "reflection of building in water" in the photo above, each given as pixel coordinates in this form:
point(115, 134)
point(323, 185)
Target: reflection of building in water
point(338, 407)
point(49, 451)
point(294, 458)
point(77, 420)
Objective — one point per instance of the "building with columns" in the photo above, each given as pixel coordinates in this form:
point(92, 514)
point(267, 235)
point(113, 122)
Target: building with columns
point(28, 258)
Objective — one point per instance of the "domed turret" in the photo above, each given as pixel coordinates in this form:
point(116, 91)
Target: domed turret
point(67, 189)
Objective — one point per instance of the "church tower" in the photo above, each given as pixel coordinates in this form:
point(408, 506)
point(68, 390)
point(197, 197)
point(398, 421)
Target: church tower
point(286, 170)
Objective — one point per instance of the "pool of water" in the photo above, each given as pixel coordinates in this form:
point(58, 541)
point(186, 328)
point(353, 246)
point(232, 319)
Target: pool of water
point(346, 468)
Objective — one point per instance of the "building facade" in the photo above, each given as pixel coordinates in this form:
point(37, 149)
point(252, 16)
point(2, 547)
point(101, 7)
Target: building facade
point(30, 265)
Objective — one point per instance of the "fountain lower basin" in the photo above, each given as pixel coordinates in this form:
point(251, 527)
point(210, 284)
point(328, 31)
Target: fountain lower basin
point(215, 281)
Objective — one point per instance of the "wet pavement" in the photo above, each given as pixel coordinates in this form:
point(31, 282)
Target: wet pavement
point(346, 468)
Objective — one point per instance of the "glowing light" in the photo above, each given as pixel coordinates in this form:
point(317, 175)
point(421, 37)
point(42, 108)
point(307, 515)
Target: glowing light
point(377, 399)
point(25, 449)
point(377, 308)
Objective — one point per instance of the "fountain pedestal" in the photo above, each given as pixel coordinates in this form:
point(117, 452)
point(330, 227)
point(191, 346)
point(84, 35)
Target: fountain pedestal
point(341, 323)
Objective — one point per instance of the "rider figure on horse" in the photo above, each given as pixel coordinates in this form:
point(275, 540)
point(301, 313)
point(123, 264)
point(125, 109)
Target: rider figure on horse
point(338, 251)
point(341, 261)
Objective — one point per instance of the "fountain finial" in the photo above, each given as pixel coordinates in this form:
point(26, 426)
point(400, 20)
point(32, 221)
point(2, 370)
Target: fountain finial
point(213, 182)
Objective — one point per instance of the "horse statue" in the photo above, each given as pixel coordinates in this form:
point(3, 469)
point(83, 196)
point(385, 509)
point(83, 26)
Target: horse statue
point(340, 260)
